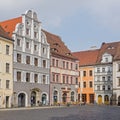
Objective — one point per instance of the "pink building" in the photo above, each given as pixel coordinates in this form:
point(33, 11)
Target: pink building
point(63, 71)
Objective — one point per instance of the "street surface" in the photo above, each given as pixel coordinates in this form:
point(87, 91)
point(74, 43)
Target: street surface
point(87, 112)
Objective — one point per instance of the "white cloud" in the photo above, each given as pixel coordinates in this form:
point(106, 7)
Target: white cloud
point(106, 12)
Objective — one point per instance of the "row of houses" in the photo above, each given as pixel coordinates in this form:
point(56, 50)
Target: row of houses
point(99, 80)
point(37, 68)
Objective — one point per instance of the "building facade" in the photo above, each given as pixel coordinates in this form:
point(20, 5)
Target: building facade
point(6, 69)
point(87, 61)
point(104, 73)
point(63, 72)
point(31, 60)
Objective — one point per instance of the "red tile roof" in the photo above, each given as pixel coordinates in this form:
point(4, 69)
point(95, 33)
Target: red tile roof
point(9, 25)
point(4, 34)
point(110, 48)
point(88, 57)
point(57, 46)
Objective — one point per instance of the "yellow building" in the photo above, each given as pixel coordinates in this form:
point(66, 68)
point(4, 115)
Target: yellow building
point(6, 69)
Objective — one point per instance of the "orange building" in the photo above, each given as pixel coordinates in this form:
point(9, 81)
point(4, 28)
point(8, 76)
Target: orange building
point(87, 60)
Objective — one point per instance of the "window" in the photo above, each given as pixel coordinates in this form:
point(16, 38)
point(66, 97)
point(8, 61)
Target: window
point(7, 84)
point(44, 79)
point(109, 78)
point(18, 42)
point(90, 73)
point(7, 67)
point(18, 76)
point(7, 49)
point(53, 79)
point(106, 59)
point(67, 79)
point(71, 80)
point(63, 79)
point(27, 31)
point(27, 45)
point(44, 63)
point(76, 81)
point(98, 70)
point(90, 83)
point(98, 87)
point(103, 69)
point(103, 78)
point(18, 57)
point(109, 88)
point(57, 78)
point(67, 65)
point(27, 77)
point(118, 81)
point(36, 61)
point(35, 78)
point(27, 59)
point(35, 34)
point(53, 62)
point(44, 50)
point(57, 65)
point(35, 47)
point(118, 67)
point(71, 66)
point(63, 64)
point(84, 73)
point(98, 78)
point(84, 84)
point(76, 66)
point(84, 97)
point(103, 87)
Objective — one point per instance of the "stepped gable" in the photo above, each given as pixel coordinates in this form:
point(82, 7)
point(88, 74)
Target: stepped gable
point(4, 34)
point(9, 25)
point(57, 46)
point(88, 57)
point(110, 48)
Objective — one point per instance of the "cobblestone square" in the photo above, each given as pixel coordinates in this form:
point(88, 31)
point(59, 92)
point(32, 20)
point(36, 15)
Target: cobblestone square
point(86, 112)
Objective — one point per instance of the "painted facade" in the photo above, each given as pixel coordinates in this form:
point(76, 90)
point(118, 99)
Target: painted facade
point(87, 61)
point(63, 72)
point(116, 82)
point(6, 69)
point(31, 60)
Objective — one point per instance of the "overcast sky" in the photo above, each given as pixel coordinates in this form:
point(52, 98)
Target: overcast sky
point(81, 24)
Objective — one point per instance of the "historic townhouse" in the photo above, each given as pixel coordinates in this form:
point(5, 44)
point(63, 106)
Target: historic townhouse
point(87, 61)
point(6, 69)
point(31, 60)
point(104, 73)
point(116, 78)
point(63, 72)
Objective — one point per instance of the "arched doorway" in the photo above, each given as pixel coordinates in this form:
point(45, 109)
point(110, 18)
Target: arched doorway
point(21, 100)
point(99, 99)
point(64, 97)
point(119, 101)
point(106, 99)
point(72, 96)
point(33, 98)
point(44, 99)
point(55, 97)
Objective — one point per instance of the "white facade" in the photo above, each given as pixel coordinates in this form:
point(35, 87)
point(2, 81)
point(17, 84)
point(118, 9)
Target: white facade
point(116, 82)
point(31, 62)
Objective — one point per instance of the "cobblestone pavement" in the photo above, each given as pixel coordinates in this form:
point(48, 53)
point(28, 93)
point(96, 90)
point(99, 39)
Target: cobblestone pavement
point(87, 112)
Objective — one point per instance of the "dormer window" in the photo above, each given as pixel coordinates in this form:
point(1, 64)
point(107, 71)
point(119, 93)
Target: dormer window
point(106, 58)
point(54, 49)
point(69, 54)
